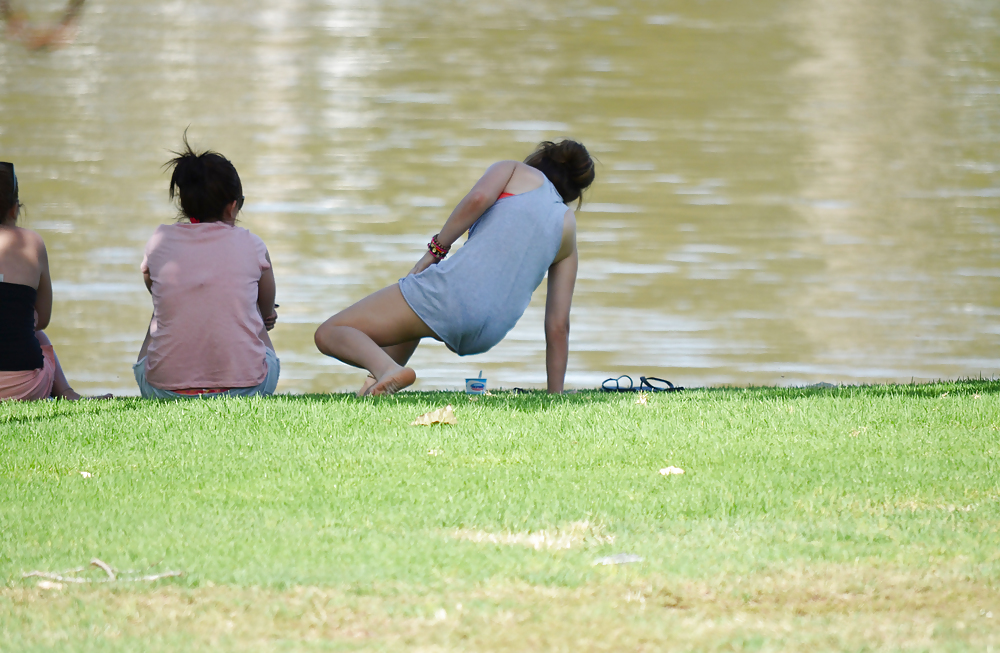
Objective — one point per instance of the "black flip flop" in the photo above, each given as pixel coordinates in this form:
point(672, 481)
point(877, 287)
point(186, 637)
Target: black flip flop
point(646, 384)
point(661, 385)
point(617, 385)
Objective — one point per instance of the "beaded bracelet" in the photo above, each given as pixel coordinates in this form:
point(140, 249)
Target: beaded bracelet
point(436, 249)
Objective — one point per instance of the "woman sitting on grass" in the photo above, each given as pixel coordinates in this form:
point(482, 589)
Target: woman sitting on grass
point(519, 227)
point(29, 368)
point(211, 283)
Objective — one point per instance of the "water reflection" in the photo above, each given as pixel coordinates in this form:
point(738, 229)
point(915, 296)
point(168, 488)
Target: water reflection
point(791, 191)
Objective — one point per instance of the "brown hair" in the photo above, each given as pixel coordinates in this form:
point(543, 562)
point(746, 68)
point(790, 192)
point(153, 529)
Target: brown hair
point(206, 183)
point(568, 166)
point(8, 189)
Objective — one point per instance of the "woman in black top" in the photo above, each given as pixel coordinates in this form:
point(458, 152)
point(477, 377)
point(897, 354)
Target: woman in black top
point(29, 368)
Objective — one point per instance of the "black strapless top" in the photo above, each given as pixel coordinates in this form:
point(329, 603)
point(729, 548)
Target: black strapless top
point(19, 348)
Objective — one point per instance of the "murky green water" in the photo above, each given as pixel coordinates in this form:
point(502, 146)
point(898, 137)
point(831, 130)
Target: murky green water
point(789, 191)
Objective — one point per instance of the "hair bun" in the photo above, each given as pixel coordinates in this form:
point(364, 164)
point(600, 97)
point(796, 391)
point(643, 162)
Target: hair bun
point(206, 183)
point(575, 157)
point(567, 164)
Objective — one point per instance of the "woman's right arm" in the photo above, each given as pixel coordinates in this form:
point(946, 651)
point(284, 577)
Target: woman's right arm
point(482, 196)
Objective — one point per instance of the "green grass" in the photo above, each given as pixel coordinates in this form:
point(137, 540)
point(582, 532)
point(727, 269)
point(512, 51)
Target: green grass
point(852, 519)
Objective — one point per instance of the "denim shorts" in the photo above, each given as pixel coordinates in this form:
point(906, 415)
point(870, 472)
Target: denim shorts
point(265, 388)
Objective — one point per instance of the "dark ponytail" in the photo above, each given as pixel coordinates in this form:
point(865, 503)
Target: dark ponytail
point(568, 166)
point(8, 189)
point(206, 183)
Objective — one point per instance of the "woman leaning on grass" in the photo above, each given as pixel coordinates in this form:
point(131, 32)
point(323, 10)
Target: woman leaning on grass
point(520, 227)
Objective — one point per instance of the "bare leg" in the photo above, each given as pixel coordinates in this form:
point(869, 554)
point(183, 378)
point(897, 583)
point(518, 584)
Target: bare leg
point(372, 333)
point(400, 353)
point(60, 386)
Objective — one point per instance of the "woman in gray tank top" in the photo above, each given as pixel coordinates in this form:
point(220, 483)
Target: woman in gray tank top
point(520, 227)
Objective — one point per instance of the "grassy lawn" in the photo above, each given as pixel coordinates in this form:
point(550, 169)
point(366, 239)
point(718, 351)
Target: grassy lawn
point(845, 519)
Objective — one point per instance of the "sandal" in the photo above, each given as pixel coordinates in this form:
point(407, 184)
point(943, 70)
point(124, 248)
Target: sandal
point(661, 385)
point(617, 385)
point(646, 384)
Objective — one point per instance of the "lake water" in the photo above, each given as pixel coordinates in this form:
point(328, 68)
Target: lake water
point(788, 192)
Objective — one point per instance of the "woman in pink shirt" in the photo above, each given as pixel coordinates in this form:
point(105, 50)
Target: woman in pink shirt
point(212, 285)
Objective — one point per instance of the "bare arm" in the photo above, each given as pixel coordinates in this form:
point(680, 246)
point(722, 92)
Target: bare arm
point(266, 291)
point(562, 280)
point(43, 298)
point(482, 196)
point(148, 280)
point(476, 201)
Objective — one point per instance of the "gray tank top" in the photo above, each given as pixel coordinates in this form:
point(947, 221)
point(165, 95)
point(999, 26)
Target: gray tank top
point(474, 297)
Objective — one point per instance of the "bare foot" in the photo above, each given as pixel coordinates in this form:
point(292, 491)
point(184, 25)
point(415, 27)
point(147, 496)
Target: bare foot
point(369, 382)
point(393, 382)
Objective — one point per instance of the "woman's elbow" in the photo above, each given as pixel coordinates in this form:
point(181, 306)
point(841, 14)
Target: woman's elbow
point(42, 320)
point(480, 201)
point(557, 331)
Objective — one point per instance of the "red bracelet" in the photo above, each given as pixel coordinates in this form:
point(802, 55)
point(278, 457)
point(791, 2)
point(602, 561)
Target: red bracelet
point(437, 250)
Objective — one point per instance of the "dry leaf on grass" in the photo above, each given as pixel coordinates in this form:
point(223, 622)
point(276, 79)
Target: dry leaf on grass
point(440, 416)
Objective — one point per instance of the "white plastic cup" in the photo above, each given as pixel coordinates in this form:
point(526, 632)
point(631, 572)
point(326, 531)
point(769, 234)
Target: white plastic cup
point(475, 386)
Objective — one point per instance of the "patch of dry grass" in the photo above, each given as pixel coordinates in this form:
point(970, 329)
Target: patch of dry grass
point(575, 534)
point(818, 608)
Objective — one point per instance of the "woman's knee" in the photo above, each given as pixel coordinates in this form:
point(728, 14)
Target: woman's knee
point(326, 335)
point(323, 336)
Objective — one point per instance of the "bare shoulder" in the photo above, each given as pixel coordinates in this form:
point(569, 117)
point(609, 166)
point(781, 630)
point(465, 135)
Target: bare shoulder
point(522, 168)
point(524, 178)
point(568, 244)
point(35, 238)
point(22, 239)
point(569, 226)
point(38, 245)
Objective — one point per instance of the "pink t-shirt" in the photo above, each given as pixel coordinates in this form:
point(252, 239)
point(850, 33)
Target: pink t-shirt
point(206, 324)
